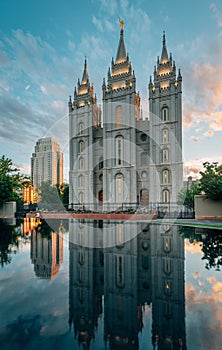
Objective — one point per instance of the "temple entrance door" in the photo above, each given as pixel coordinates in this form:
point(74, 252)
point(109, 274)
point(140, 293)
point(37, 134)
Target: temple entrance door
point(100, 197)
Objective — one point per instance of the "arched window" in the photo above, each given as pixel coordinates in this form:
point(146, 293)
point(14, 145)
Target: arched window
point(165, 155)
point(119, 188)
point(81, 181)
point(119, 118)
point(165, 114)
point(167, 266)
point(165, 176)
point(81, 128)
point(144, 158)
point(81, 146)
point(166, 196)
point(165, 136)
point(119, 150)
point(81, 163)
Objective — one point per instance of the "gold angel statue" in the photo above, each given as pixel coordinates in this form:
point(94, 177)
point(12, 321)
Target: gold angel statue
point(121, 23)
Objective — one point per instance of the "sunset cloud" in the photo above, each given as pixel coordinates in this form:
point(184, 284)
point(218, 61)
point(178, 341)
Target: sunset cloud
point(209, 133)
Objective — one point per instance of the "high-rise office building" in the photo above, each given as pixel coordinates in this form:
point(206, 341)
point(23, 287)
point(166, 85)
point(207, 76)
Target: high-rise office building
point(47, 162)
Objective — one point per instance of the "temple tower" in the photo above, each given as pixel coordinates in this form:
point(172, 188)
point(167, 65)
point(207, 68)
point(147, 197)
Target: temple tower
point(120, 111)
point(165, 104)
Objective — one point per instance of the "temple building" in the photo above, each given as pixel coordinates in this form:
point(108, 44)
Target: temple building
point(117, 158)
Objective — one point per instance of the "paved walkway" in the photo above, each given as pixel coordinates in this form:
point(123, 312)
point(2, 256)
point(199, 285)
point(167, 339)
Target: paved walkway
point(215, 224)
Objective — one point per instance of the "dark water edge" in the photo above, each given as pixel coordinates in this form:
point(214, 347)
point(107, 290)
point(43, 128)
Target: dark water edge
point(96, 285)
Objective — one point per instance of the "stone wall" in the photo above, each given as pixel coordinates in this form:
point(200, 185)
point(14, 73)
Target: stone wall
point(207, 209)
point(8, 210)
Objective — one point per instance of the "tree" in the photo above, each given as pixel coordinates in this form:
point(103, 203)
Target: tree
point(186, 196)
point(211, 181)
point(10, 181)
point(50, 198)
point(63, 191)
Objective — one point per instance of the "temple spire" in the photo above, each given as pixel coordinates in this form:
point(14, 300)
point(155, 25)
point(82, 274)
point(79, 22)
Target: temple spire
point(164, 55)
point(85, 76)
point(121, 52)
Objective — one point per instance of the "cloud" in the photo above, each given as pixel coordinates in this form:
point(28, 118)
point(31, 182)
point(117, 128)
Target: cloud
point(43, 89)
point(209, 133)
point(203, 314)
point(194, 138)
point(203, 85)
point(71, 45)
point(4, 59)
point(216, 122)
point(193, 248)
point(211, 279)
point(217, 14)
point(217, 289)
point(97, 23)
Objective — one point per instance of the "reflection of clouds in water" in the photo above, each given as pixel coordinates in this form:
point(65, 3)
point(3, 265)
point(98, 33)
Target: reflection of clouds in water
point(203, 302)
point(193, 248)
point(17, 301)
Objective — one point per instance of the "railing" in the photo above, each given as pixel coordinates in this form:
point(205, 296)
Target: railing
point(163, 210)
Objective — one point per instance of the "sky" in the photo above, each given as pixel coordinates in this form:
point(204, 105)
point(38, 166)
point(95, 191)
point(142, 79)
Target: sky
point(43, 45)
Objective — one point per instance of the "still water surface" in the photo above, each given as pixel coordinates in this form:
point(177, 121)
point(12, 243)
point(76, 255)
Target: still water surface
point(102, 285)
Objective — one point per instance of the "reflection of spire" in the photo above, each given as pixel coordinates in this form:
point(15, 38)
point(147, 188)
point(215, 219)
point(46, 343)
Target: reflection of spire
point(85, 287)
point(130, 275)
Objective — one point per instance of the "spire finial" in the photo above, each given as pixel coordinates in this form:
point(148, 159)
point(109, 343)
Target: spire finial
point(164, 55)
point(121, 22)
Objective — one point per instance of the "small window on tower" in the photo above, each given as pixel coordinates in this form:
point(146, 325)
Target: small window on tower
point(81, 128)
point(165, 135)
point(165, 114)
point(119, 119)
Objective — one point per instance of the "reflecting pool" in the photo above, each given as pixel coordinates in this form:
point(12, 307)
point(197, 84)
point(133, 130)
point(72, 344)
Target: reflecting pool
point(68, 284)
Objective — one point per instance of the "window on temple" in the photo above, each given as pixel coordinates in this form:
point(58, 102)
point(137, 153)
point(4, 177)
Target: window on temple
point(166, 196)
point(119, 118)
point(165, 176)
point(81, 163)
point(165, 155)
point(81, 128)
point(119, 188)
point(119, 150)
point(165, 136)
point(165, 114)
point(81, 181)
point(81, 146)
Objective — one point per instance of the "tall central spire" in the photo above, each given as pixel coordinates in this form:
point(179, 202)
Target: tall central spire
point(121, 52)
point(164, 55)
point(85, 76)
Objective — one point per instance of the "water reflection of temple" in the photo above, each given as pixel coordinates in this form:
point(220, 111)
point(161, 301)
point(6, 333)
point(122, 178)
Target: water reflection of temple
point(46, 252)
point(120, 277)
